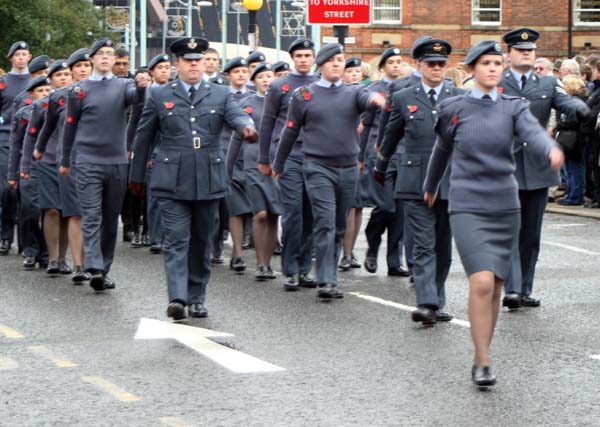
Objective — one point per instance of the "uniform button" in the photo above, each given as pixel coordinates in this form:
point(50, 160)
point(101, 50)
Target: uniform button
point(192, 107)
point(434, 112)
point(193, 119)
point(523, 98)
point(166, 159)
point(543, 96)
point(412, 117)
point(170, 114)
point(409, 162)
point(524, 145)
point(194, 132)
point(212, 111)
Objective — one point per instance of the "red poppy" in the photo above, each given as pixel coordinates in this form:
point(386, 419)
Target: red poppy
point(285, 88)
point(169, 105)
point(382, 93)
point(44, 105)
point(2, 86)
point(388, 108)
point(70, 119)
point(28, 101)
point(81, 94)
point(249, 109)
point(291, 124)
point(61, 102)
point(500, 89)
point(412, 108)
point(24, 121)
point(33, 130)
point(455, 120)
point(307, 96)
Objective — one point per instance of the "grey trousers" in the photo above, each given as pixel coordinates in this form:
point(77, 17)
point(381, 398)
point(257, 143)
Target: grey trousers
point(432, 250)
point(331, 191)
point(31, 234)
point(101, 190)
point(152, 212)
point(188, 228)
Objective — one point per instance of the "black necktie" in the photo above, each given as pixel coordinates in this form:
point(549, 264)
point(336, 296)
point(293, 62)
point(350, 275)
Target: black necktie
point(192, 92)
point(104, 78)
point(332, 85)
point(432, 96)
point(486, 97)
point(523, 80)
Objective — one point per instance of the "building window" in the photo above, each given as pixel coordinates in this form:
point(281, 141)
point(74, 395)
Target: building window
point(486, 12)
point(587, 12)
point(387, 11)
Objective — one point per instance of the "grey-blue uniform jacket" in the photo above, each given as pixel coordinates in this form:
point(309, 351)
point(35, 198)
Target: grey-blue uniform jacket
point(543, 94)
point(189, 162)
point(370, 121)
point(412, 125)
point(17, 135)
point(36, 121)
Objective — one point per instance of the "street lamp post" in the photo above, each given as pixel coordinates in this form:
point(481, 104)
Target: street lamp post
point(252, 6)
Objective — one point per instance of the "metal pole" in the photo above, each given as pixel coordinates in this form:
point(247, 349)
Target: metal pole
point(570, 30)
point(277, 28)
point(143, 32)
point(223, 32)
point(132, 16)
point(189, 19)
point(239, 38)
point(252, 30)
point(315, 32)
point(164, 34)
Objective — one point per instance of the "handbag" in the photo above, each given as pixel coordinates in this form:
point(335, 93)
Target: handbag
point(567, 139)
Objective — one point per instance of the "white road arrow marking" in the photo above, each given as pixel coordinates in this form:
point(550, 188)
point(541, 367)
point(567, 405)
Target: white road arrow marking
point(197, 339)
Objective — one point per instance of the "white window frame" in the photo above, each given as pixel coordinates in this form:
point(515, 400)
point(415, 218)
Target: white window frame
point(376, 5)
point(484, 9)
point(577, 9)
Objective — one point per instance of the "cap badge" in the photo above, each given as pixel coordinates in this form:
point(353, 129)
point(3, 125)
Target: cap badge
point(86, 56)
point(108, 42)
point(524, 35)
point(396, 51)
point(306, 43)
point(497, 47)
point(437, 47)
point(23, 45)
point(64, 65)
point(165, 58)
point(243, 61)
point(192, 44)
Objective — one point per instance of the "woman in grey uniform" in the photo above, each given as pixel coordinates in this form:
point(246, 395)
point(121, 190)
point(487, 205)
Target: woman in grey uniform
point(476, 130)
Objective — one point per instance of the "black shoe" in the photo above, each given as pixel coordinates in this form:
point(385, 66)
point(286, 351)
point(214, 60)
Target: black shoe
point(336, 293)
point(218, 259)
point(247, 242)
point(482, 376)
point(197, 310)
point(176, 310)
point(278, 248)
point(156, 248)
point(4, 247)
point(270, 274)
point(261, 274)
point(511, 300)
point(326, 291)
point(307, 281)
point(29, 263)
point(97, 281)
point(237, 264)
point(345, 263)
point(146, 240)
point(291, 283)
point(354, 262)
point(64, 268)
point(136, 241)
point(424, 315)
point(442, 316)
point(79, 275)
point(43, 264)
point(108, 282)
point(527, 301)
point(371, 264)
point(53, 268)
point(128, 236)
point(398, 272)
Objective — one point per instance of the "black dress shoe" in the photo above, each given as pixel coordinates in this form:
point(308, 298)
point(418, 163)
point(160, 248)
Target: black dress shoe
point(511, 300)
point(424, 315)
point(326, 291)
point(291, 283)
point(527, 301)
point(156, 248)
point(42, 263)
point(53, 268)
point(64, 268)
point(237, 264)
point(336, 293)
point(398, 272)
point(354, 262)
point(136, 241)
point(371, 264)
point(109, 283)
point(146, 240)
point(29, 263)
point(128, 236)
point(176, 310)
point(79, 275)
point(217, 259)
point(97, 281)
point(4, 247)
point(307, 281)
point(197, 310)
point(482, 376)
point(270, 274)
point(278, 248)
point(442, 316)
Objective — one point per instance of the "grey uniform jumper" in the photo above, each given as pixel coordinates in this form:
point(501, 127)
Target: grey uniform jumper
point(96, 122)
point(543, 93)
point(330, 148)
point(189, 176)
point(296, 220)
point(412, 125)
point(477, 135)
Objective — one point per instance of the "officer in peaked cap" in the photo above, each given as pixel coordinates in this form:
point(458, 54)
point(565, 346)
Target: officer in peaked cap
point(184, 119)
point(543, 93)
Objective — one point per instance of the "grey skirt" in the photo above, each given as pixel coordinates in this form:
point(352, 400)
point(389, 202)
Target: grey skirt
point(238, 201)
point(69, 200)
point(486, 241)
point(263, 192)
point(48, 187)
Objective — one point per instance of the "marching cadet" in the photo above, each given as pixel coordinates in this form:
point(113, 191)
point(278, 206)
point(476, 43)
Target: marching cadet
point(262, 190)
point(189, 176)
point(296, 220)
point(46, 171)
point(70, 210)
point(253, 60)
point(411, 124)
point(11, 84)
point(34, 248)
point(238, 203)
point(543, 94)
point(281, 68)
point(212, 74)
point(331, 169)
point(37, 67)
point(96, 123)
point(352, 71)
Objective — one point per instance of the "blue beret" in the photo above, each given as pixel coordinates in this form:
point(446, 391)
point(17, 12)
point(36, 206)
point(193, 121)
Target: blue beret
point(280, 66)
point(82, 54)
point(17, 46)
point(417, 43)
point(163, 57)
point(353, 62)
point(263, 66)
point(58, 65)
point(388, 53)
point(38, 81)
point(39, 63)
point(189, 48)
point(328, 51)
point(521, 38)
point(302, 43)
point(236, 62)
point(485, 47)
point(100, 43)
point(256, 57)
point(431, 50)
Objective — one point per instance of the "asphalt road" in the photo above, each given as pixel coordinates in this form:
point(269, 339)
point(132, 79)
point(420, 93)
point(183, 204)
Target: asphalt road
point(68, 357)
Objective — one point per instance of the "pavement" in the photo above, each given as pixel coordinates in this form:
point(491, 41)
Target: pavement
point(69, 357)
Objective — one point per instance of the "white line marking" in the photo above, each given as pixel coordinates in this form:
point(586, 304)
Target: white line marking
point(10, 332)
point(174, 422)
point(596, 356)
point(571, 248)
point(399, 306)
point(7, 363)
point(565, 225)
point(197, 339)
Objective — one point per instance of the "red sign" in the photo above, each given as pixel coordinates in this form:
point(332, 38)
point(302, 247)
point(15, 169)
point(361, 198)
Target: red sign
point(339, 12)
